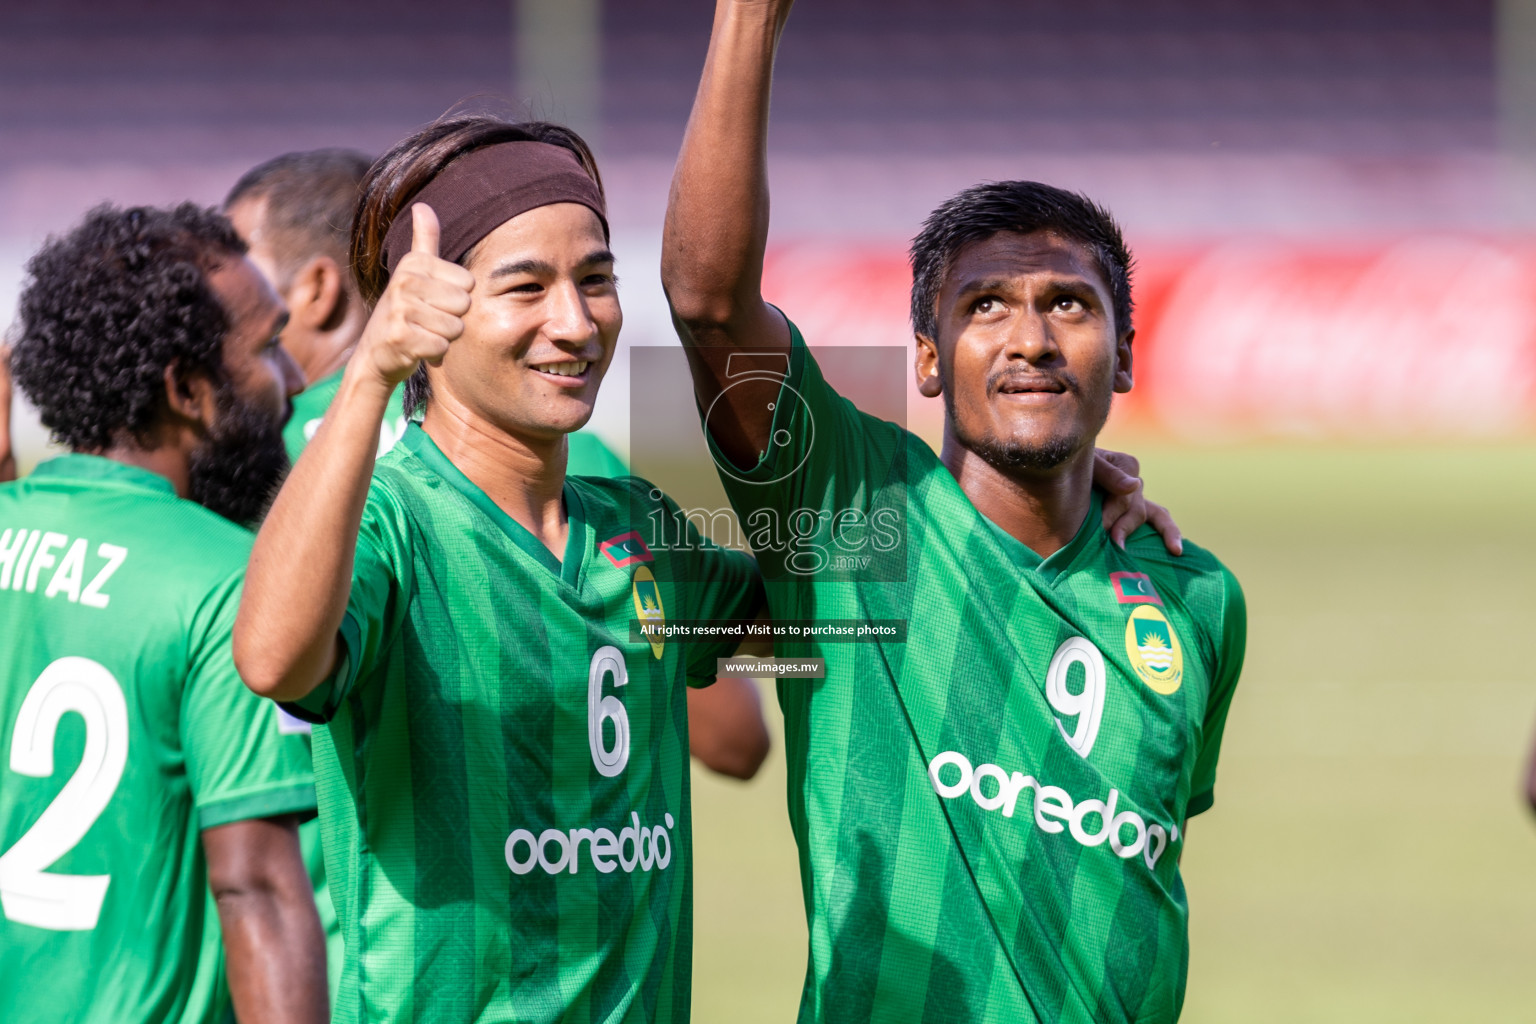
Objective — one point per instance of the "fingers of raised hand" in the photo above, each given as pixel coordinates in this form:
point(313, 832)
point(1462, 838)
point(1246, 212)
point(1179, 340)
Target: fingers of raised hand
point(435, 290)
point(426, 345)
point(425, 230)
point(426, 277)
point(435, 320)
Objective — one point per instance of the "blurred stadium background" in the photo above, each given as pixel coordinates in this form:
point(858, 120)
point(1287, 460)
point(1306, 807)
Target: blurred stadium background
point(1334, 205)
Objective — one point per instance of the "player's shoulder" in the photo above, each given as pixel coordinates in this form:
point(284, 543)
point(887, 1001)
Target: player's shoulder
point(1199, 579)
point(403, 478)
point(163, 561)
point(619, 504)
point(1145, 544)
point(176, 530)
point(207, 553)
point(398, 468)
point(618, 491)
point(809, 383)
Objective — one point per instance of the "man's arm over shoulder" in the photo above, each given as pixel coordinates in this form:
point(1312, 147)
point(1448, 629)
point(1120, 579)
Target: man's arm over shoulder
point(717, 226)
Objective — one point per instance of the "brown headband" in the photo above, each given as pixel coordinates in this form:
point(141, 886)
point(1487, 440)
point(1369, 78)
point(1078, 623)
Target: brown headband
point(483, 189)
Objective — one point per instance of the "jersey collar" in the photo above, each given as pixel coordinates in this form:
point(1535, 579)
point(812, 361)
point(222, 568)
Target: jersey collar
point(1090, 533)
point(420, 444)
point(95, 467)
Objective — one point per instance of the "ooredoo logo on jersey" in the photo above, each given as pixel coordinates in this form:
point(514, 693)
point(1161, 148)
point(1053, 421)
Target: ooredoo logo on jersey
point(558, 851)
point(1092, 822)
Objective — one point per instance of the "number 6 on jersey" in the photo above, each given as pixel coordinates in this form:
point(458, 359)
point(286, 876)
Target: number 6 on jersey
point(609, 761)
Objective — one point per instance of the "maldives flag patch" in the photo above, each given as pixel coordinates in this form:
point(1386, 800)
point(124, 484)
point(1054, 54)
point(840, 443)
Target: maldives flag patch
point(626, 549)
point(1134, 588)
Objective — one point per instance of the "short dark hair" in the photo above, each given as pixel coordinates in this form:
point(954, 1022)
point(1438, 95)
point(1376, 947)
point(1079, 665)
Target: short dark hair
point(106, 308)
point(311, 197)
point(407, 168)
point(982, 211)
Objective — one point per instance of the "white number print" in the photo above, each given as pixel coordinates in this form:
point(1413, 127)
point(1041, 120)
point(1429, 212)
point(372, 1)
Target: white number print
point(1087, 706)
point(28, 893)
point(608, 661)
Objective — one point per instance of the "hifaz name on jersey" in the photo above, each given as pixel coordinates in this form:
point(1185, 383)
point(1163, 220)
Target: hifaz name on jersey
point(60, 565)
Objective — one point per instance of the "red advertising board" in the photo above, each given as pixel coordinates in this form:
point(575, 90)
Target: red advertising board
point(1424, 336)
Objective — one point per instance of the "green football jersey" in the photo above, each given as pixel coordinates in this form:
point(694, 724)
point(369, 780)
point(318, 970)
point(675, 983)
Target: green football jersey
point(309, 408)
point(989, 815)
point(504, 772)
point(124, 731)
point(589, 456)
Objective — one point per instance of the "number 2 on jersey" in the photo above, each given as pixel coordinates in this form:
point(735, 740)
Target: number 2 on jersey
point(29, 894)
point(609, 761)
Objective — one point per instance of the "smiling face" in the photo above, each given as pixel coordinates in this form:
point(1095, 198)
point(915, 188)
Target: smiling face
point(542, 324)
point(1028, 353)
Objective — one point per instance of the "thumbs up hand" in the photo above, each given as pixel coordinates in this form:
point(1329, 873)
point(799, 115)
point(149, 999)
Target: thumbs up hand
point(421, 311)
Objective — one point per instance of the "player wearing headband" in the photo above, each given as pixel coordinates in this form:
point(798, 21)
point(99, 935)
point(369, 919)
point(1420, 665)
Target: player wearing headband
point(295, 212)
point(989, 815)
point(503, 769)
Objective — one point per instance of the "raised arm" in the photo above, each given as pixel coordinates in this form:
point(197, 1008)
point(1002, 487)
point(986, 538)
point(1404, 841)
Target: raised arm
point(717, 221)
point(286, 637)
point(715, 237)
point(274, 947)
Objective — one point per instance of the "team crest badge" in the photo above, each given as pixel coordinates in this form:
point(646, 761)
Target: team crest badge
point(648, 607)
point(626, 549)
point(1154, 649)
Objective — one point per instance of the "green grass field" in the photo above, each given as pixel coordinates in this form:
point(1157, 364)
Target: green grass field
point(1369, 857)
